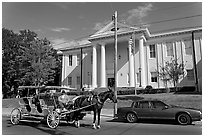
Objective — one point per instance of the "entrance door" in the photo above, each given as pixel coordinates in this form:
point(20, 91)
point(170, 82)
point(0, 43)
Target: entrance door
point(111, 82)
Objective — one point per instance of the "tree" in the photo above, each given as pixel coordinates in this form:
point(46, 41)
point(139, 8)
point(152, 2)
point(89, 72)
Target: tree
point(10, 65)
point(27, 60)
point(39, 63)
point(171, 72)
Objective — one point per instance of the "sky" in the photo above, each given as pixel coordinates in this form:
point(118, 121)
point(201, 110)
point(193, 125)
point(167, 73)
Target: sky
point(66, 21)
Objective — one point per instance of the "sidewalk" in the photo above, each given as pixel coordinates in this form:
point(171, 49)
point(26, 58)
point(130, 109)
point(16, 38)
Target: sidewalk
point(6, 111)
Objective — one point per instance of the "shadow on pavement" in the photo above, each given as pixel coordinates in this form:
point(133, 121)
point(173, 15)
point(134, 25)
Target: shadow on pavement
point(42, 126)
point(169, 122)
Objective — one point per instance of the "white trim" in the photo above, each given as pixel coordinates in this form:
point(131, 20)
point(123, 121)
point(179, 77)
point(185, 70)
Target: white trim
point(176, 32)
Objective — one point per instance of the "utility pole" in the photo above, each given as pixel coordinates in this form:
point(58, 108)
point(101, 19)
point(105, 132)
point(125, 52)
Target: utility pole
point(115, 61)
point(134, 62)
point(81, 60)
point(194, 64)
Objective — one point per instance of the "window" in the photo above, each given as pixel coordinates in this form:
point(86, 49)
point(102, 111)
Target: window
point(78, 80)
point(170, 49)
point(188, 47)
point(158, 104)
point(144, 104)
point(69, 81)
point(70, 60)
point(153, 76)
point(152, 50)
point(136, 105)
point(78, 59)
point(190, 74)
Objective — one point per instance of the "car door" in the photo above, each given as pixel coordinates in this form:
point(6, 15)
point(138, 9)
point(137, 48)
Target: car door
point(143, 109)
point(160, 110)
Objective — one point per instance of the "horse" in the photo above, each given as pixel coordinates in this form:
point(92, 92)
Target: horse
point(96, 104)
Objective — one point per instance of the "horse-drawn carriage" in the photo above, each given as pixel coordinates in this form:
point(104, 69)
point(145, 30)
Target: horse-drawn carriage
point(41, 103)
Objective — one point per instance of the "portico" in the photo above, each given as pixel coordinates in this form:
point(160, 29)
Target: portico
point(133, 40)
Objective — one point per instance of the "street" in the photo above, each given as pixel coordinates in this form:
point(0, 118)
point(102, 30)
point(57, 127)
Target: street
point(109, 126)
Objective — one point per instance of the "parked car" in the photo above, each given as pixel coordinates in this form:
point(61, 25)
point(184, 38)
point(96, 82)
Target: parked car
point(156, 109)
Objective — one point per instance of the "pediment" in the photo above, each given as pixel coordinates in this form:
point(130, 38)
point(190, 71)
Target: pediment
point(107, 30)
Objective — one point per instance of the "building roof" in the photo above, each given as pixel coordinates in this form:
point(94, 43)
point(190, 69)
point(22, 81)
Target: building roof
point(176, 32)
point(75, 44)
point(106, 32)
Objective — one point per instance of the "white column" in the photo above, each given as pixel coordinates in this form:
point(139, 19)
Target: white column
point(131, 63)
point(142, 63)
point(63, 70)
point(103, 65)
point(94, 68)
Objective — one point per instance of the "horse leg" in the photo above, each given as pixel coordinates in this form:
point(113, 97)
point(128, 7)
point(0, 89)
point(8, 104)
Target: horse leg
point(99, 116)
point(94, 120)
point(77, 123)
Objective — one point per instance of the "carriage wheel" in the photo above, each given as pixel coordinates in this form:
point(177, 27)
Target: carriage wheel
point(53, 119)
point(15, 116)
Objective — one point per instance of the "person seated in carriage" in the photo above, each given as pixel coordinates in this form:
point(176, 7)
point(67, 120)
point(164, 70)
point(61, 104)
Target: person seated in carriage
point(65, 101)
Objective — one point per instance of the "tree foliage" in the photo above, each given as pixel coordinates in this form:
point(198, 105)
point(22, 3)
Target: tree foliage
point(171, 72)
point(27, 60)
point(10, 65)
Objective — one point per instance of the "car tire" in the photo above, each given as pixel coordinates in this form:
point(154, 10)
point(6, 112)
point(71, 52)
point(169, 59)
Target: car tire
point(184, 119)
point(131, 117)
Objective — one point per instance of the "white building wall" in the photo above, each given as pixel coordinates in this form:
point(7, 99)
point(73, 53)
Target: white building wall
point(123, 64)
point(152, 68)
point(160, 63)
point(109, 61)
point(151, 64)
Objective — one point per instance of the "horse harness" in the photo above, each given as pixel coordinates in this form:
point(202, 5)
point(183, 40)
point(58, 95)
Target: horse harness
point(90, 99)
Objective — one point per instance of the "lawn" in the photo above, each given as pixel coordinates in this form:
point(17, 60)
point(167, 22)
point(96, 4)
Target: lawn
point(185, 100)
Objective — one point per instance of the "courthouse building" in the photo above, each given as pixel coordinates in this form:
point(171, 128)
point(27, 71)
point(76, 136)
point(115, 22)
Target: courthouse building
point(89, 62)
